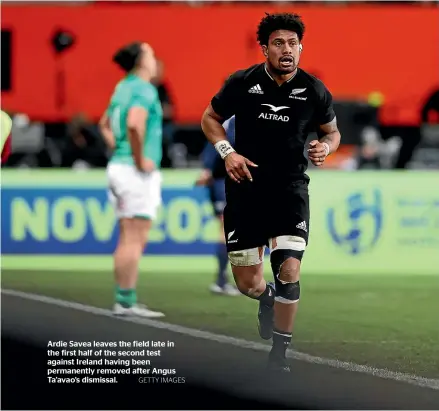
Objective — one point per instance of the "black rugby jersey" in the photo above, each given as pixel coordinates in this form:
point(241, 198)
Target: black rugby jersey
point(273, 122)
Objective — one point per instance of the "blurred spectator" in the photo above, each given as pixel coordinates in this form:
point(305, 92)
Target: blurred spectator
point(428, 133)
point(84, 146)
point(430, 110)
point(6, 126)
point(27, 147)
point(369, 153)
point(168, 111)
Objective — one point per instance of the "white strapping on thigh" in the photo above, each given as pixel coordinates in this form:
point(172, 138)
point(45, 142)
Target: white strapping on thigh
point(287, 242)
point(249, 257)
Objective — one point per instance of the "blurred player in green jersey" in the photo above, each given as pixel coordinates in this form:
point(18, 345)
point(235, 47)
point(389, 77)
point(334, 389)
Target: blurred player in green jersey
point(132, 127)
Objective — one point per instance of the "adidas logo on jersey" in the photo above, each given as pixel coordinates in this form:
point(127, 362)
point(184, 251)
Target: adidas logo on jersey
point(302, 226)
point(256, 89)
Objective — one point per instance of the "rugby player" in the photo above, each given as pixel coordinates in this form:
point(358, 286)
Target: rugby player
point(213, 176)
point(276, 105)
point(132, 126)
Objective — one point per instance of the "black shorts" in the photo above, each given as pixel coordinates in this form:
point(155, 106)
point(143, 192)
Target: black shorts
point(253, 216)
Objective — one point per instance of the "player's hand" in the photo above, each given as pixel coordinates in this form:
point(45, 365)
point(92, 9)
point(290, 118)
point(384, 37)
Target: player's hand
point(237, 167)
point(204, 179)
point(148, 165)
point(317, 152)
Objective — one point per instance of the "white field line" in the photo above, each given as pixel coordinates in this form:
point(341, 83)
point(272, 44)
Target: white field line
point(224, 339)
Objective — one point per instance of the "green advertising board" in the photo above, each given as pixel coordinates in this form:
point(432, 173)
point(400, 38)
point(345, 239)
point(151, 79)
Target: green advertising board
point(374, 222)
point(361, 222)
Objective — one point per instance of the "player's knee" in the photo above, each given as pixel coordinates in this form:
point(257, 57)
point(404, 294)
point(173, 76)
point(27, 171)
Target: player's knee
point(286, 254)
point(248, 275)
point(249, 284)
point(127, 253)
point(131, 247)
point(287, 282)
point(289, 270)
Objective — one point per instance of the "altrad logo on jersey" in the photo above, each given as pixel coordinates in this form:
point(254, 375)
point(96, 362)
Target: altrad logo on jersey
point(275, 117)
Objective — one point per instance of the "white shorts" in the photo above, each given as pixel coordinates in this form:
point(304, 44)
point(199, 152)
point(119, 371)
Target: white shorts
point(132, 193)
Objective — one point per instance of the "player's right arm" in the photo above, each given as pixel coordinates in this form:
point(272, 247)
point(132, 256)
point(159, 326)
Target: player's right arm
point(222, 107)
point(210, 155)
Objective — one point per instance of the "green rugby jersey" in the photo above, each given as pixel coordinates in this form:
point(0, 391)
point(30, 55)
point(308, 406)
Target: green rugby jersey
point(130, 92)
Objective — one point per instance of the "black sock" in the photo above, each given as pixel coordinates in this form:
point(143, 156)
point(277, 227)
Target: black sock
point(267, 297)
point(281, 341)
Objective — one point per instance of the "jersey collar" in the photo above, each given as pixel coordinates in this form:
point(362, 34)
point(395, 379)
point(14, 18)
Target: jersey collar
point(269, 75)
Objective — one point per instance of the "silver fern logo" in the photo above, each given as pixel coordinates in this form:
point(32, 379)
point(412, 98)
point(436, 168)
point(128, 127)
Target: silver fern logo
point(296, 91)
point(229, 236)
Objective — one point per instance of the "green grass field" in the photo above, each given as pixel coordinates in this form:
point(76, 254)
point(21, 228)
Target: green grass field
point(383, 321)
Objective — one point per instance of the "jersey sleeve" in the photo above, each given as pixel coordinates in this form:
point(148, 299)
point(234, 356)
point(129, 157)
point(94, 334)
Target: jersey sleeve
point(325, 110)
point(144, 97)
point(224, 103)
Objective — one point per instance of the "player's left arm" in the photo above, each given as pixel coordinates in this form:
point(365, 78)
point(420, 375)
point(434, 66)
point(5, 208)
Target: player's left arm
point(327, 129)
point(210, 154)
point(328, 133)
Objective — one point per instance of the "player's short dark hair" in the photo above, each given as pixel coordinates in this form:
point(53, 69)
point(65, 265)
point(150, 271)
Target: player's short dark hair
point(128, 56)
point(279, 21)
